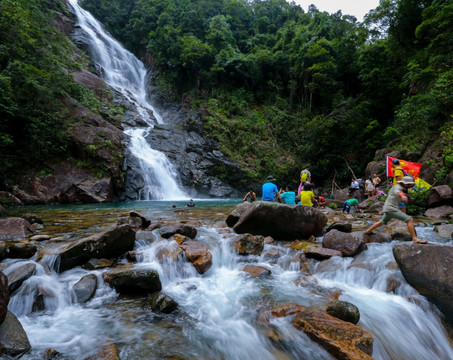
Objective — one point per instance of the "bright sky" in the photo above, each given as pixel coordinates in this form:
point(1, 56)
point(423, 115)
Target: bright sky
point(358, 8)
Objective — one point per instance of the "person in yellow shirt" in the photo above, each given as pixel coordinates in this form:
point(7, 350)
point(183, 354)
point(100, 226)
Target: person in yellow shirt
point(398, 172)
point(307, 197)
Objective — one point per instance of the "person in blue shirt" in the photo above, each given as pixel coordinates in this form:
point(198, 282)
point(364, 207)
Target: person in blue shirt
point(289, 196)
point(270, 190)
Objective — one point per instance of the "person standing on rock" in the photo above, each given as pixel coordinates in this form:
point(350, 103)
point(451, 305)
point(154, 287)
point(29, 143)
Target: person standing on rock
point(392, 209)
point(376, 183)
point(270, 190)
point(369, 187)
point(305, 178)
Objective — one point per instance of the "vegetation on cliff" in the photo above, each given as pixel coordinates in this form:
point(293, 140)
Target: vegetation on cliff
point(279, 87)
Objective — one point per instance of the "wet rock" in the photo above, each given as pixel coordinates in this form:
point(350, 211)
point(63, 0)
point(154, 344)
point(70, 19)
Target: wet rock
point(341, 339)
point(249, 244)
point(145, 222)
point(197, 254)
point(162, 303)
point(133, 281)
point(95, 264)
point(445, 230)
point(52, 354)
point(342, 226)
point(22, 250)
point(256, 271)
point(397, 230)
point(40, 237)
point(440, 195)
point(85, 288)
point(185, 230)
point(320, 253)
point(18, 274)
point(108, 351)
point(377, 207)
point(304, 263)
point(346, 243)
point(392, 284)
point(133, 222)
point(441, 212)
point(280, 311)
point(147, 236)
point(14, 229)
point(272, 255)
point(281, 221)
point(366, 203)
point(343, 310)
point(32, 218)
point(13, 339)
point(234, 216)
point(4, 296)
point(375, 237)
point(3, 250)
point(427, 267)
point(107, 244)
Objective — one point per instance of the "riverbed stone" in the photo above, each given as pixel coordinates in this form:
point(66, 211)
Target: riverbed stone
point(107, 244)
point(95, 264)
point(348, 244)
point(4, 296)
point(341, 339)
point(85, 288)
point(427, 267)
point(18, 274)
point(108, 351)
point(197, 254)
point(133, 281)
point(249, 244)
point(182, 229)
point(15, 229)
point(22, 250)
point(343, 310)
point(13, 339)
point(32, 218)
point(162, 303)
point(445, 230)
point(281, 221)
point(377, 207)
point(3, 250)
point(342, 226)
point(256, 271)
point(321, 253)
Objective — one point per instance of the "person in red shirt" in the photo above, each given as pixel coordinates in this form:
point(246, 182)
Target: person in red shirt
point(321, 202)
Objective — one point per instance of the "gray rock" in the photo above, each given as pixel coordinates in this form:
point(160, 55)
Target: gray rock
point(133, 281)
point(162, 303)
point(18, 274)
point(235, 215)
point(348, 244)
point(342, 226)
point(13, 339)
point(22, 250)
point(281, 221)
point(427, 267)
point(4, 296)
point(441, 212)
point(249, 244)
point(85, 288)
point(320, 253)
point(440, 195)
point(445, 230)
point(185, 230)
point(15, 229)
point(343, 310)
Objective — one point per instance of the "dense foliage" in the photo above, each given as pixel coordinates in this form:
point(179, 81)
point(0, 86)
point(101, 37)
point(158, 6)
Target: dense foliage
point(34, 81)
point(280, 87)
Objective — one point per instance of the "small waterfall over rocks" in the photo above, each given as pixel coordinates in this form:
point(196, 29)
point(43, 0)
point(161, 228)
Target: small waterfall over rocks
point(155, 137)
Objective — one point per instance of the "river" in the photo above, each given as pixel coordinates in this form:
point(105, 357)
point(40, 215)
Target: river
point(217, 314)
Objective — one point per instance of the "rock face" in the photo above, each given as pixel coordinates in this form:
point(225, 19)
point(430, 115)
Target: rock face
point(348, 244)
point(281, 221)
point(13, 339)
point(342, 339)
point(133, 281)
point(14, 229)
point(107, 244)
point(4, 296)
point(427, 268)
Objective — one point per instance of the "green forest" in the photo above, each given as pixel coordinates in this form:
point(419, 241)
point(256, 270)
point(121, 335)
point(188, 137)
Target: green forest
point(277, 87)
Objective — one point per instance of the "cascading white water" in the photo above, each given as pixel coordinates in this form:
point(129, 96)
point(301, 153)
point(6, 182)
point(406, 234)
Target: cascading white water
point(125, 73)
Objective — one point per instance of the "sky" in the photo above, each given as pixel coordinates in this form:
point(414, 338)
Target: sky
point(358, 8)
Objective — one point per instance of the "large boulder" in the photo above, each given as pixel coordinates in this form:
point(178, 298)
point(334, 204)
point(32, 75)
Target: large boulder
point(13, 339)
point(234, 216)
point(15, 229)
point(4, 296)
point(133, 281)
point(281, 221)
point(348, 244)
point(107, 244)
point(427, 267)
point(342, 339)
point(440, 195)
point(440, 212)
point(197, 254)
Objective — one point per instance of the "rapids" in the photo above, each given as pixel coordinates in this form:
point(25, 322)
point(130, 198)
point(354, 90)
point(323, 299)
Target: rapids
point(217, 314)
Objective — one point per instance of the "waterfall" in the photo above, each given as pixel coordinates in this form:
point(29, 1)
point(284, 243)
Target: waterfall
point(125, 73)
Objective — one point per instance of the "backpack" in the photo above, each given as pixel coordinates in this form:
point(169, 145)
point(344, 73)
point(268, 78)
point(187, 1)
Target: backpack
point(304, 176)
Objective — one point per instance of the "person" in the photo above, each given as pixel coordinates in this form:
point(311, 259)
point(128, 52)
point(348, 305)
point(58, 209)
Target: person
point(305, 177)
point(369, 187)
point(306, 196)
point(289, 196)
point(351, 202)
point(354, 186)
point(392, 210)
point(321, 201)
point(376, 183)
point(191, 203)
point(398, 172)
point(250, 194)
point(269, 189)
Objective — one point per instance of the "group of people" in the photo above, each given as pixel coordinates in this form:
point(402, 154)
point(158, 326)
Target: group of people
point(394, 206)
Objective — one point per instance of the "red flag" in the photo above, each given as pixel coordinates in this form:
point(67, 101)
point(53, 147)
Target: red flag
point(410, 167)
